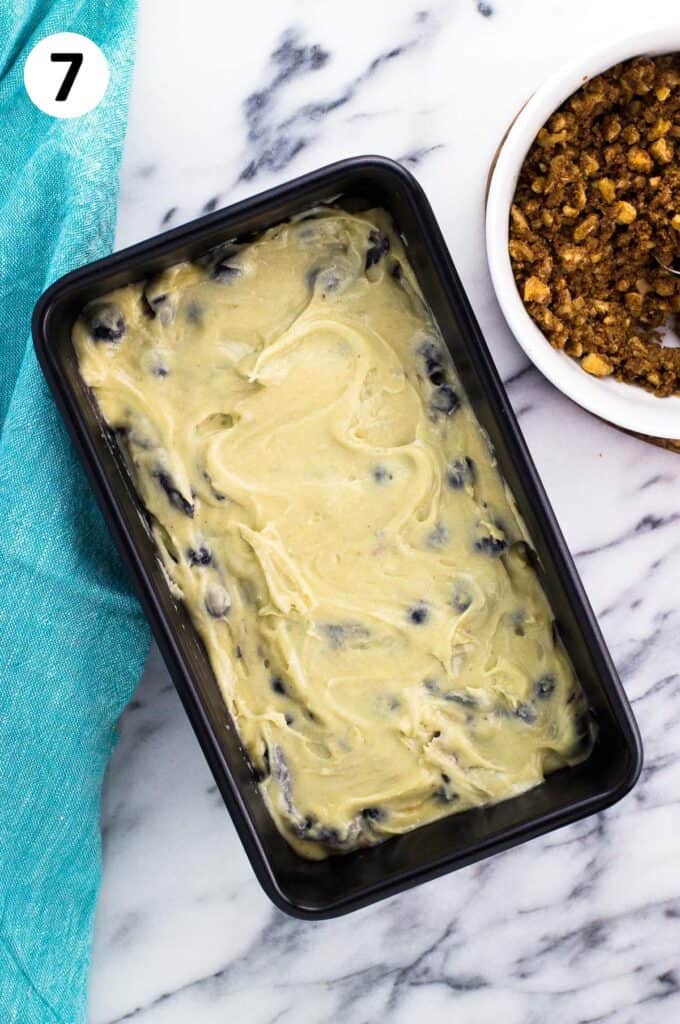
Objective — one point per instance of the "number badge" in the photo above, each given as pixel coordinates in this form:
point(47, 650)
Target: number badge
point(66, 75)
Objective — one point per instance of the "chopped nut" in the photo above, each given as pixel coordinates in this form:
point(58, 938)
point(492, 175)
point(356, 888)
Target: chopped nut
point(595, 212)
point(536, 291)
point(589, 164)
point(662, 151)
point(550, 139)
point(612, 129)
point(519, 221)
point(661, 128)
point(625, 212)
point(572, 255)
point(574, 348)
point(586, 227)
point(664, 287)
point(639, 160)
point(607, 189)
point(597, 365)
point(519, 250)
point(633, 303)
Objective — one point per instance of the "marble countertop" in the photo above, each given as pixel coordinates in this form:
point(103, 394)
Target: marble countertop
point(582, 925)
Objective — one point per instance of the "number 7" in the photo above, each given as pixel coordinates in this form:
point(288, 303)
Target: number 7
point(75, 60)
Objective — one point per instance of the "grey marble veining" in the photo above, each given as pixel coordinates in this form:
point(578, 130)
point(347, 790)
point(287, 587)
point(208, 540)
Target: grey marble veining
point(580, 926)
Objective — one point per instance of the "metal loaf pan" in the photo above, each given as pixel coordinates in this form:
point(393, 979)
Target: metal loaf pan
point(318, 889)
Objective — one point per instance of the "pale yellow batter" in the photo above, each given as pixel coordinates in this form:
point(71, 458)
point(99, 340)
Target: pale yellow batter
point(328, 506)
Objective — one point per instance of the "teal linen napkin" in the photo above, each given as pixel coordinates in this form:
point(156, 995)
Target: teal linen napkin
point(72, 637)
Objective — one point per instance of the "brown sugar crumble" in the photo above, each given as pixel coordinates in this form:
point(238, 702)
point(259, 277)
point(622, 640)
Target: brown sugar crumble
point(596, 210)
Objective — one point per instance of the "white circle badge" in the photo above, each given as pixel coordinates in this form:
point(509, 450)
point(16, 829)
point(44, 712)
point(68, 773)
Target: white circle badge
point(66, 74)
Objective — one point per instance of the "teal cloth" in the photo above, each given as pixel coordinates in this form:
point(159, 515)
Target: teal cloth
point(72, 638)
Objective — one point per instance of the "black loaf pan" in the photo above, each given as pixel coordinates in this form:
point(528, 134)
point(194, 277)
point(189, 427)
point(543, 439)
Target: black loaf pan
point(319, 889)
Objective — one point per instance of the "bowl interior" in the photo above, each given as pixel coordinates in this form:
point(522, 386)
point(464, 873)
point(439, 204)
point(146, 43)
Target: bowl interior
point(623, 404)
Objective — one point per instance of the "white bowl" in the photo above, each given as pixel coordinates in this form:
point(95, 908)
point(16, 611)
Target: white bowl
point(623, 404)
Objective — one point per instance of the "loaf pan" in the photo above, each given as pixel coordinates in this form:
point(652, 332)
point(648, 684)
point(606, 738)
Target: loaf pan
point(326, 888)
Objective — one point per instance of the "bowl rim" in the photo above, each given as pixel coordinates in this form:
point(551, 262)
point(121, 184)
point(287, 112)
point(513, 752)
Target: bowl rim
point(624, 405)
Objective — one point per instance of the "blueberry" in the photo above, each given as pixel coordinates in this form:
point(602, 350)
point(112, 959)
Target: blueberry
point(281, 773)
point(461, 473)
point(381, 475)
point(105, 321)
point(518, 620)
point(160, 371)
point(336, 635)
point(329, 836)
point(490, 544)
point(328, 280)
point(199, 556)
point(545, 687)
point(461, 598)
point(379, 247)
point(277, 685)
point(217, 495)
point(224, 272)
point(239, 652)
point(526, 713)
point(339, 633)
point(175, 496)
point(418, 613)
point(463, 699)
point(444, 399)
point(373, 813)
point(218, 262)
point(525, 553)
point(312, 276)
point(445, 795)
point(583, 734)
point(194, 312)
point(288, 718)
point(157, 303)
point(310, 828)
point(217, 601)
point(304, 827)
point(438, 537)
point(396, 271)
point(433, 358)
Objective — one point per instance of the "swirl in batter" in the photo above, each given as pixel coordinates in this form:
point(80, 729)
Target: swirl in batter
point(328, 507)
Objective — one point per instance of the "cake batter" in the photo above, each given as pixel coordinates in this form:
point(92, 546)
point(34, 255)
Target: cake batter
point(327, 505)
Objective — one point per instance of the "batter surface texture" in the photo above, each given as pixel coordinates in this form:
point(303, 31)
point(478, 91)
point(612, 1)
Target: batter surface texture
point(327, 505)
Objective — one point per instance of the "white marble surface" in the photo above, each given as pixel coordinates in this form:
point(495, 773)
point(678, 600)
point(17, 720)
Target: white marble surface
point(580, 926)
